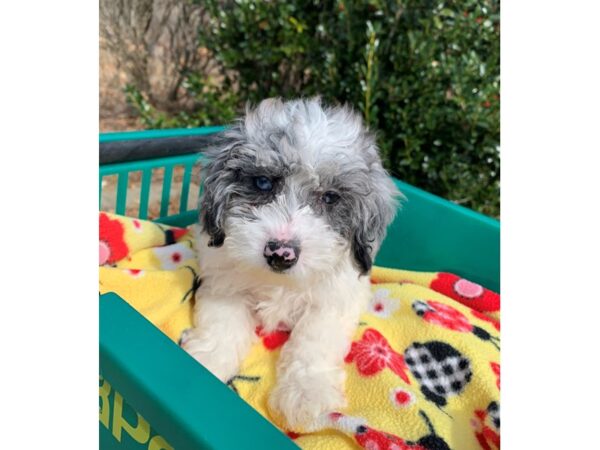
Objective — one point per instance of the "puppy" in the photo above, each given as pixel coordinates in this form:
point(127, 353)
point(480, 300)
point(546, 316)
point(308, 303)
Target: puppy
point(295, 206)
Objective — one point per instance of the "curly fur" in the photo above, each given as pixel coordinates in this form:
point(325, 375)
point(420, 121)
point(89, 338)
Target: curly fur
point(305, 149)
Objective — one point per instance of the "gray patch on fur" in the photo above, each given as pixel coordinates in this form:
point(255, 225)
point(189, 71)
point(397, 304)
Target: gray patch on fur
point(306, 150)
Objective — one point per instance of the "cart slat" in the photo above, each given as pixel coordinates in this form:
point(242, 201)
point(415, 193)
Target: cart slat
point(145, 193)
point(185, 188)
point(166, 191)
point(122, 192)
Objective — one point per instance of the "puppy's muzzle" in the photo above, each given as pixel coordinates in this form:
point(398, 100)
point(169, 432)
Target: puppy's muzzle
point(281, 255)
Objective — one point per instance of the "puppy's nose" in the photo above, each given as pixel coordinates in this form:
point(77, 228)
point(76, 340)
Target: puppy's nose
point(281, 255)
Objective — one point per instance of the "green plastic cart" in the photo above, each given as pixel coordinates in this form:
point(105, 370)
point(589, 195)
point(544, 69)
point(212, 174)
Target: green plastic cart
point(152, 394)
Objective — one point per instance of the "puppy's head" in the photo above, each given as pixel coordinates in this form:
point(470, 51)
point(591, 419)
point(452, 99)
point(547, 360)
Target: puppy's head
point(294, 188)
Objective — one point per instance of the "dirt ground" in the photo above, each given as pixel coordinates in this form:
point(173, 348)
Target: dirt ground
point(109, 192)
point(117, 115)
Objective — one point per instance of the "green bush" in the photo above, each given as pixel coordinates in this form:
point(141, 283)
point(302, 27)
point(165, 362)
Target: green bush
point(425, 75)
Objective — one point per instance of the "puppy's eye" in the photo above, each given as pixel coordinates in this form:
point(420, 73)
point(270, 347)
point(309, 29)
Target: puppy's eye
point(330, 197)
point(263, 183)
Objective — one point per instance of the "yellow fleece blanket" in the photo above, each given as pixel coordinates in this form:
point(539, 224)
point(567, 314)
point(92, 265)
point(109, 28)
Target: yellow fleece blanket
point(423, 371)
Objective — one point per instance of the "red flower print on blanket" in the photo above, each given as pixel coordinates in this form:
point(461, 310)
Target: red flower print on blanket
point(446, 316)
point(401, 398)
point(486, 425)
point(486, 318)
point(373, 353)
point(112, 244)
point(443, 315)
point(370, 438)
point(173, 256)
point(382, 305)
point(496, 370)
point(466, 292)
point(273, 340)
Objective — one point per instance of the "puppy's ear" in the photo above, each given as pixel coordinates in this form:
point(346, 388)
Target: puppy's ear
point(217, 184)
point(377, 210)
point(361, 251)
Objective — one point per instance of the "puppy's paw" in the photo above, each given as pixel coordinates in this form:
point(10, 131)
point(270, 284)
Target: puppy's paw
point(303, 403)
point(207, 352)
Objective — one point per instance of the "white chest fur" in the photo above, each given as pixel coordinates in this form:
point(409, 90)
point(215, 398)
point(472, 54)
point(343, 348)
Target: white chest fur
point(277, 301)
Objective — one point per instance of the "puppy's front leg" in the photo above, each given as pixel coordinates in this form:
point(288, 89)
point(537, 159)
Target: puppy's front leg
point(310, 371)
point(223, 333)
